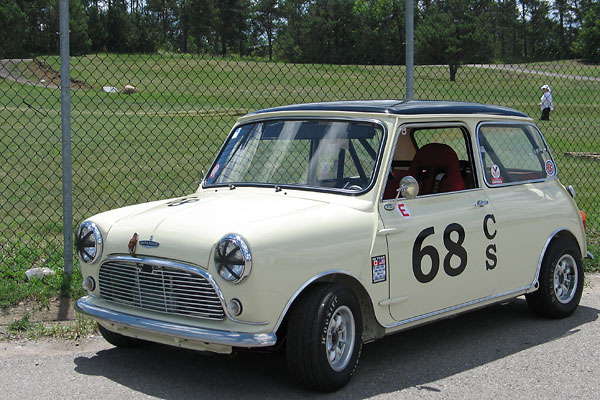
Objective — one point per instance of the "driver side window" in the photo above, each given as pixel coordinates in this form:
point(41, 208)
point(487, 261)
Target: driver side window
point(438, 157)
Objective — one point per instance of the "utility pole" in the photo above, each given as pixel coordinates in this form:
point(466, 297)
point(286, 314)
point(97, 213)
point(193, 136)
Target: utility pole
point(65, 112)
point(410, 49)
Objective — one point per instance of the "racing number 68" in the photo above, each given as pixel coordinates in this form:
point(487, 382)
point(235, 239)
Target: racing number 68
point(454, 248)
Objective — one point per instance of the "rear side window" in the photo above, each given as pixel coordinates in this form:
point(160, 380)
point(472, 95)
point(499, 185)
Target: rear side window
point(452, 136)
point(514, 153)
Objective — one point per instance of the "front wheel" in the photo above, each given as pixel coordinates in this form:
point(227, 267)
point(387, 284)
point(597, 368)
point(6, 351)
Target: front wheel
point(560, 280)
point(324, 337)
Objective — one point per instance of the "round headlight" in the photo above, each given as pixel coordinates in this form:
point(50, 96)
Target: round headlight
point(88, 241)
point(233, 259)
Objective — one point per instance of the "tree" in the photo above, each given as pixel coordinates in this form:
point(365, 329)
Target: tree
point(118, 27)
point(266, 14)
point(79, 41)
point(454, 32)
point(184, 23)
point(290, 38)
point(97, 27)
point(505, 21)
point(328, 35)
point(231, 24)
point(12, 30)
point(587, 45)
point(378, 34)
point(165, 10)
point(201, 23)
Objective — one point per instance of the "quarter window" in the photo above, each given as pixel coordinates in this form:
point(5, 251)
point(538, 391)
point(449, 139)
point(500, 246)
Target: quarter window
point(513, 153)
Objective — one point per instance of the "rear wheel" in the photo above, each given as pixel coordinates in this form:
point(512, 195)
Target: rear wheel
point(118, 340)
point(560, 280)
point(324, 337)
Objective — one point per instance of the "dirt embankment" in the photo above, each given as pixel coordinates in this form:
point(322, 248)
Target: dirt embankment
point(35, 72)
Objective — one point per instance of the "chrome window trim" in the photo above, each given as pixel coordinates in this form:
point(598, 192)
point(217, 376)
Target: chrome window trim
point(443, 124)
point(487, 184)
point(343, 118)
point(426, 196)
point(189, 268)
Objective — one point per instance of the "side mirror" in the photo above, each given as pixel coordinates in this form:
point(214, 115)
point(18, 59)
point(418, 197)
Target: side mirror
point(409, 188)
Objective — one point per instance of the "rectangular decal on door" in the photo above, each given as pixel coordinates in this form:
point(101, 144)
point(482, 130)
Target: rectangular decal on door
point(379, 269)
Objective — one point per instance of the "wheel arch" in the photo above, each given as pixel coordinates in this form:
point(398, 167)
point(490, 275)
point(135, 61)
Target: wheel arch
point(554, 237)
point(372, 330)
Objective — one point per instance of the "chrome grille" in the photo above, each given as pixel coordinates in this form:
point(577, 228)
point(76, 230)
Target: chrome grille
point(159, 288)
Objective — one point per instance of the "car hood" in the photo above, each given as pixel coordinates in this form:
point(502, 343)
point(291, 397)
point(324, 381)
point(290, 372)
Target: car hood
point(186, 229)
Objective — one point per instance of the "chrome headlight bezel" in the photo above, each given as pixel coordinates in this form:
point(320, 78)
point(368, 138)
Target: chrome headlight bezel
point(86, 232)
point(232, 258)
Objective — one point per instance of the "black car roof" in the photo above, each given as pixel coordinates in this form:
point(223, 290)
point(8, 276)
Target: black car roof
point(401, 107)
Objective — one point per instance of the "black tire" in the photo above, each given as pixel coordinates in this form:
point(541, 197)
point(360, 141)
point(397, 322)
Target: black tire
point(560, 281)
point(118, 340)
point(326, 314)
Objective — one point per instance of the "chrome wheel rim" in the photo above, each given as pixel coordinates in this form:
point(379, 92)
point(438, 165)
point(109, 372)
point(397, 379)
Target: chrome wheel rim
point(340, 338)
point(565, 279)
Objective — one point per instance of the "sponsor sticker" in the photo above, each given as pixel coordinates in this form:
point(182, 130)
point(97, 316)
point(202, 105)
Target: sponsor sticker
point(550, 168)
point(495, 170)
point(496, 175)
point(378, 266)
point(214, 171)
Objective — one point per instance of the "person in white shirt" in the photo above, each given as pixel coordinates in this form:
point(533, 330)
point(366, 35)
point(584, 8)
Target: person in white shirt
point(546, 103)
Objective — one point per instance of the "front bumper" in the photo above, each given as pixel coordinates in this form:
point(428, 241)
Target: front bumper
point(153, 327)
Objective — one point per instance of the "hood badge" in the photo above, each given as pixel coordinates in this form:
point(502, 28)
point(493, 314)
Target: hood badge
point(149, 244)
point(132, 244)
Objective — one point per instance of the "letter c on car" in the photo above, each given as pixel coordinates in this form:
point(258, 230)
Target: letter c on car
point(486, 230)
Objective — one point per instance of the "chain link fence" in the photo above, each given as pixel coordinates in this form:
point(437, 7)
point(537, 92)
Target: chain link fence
point(145, 127)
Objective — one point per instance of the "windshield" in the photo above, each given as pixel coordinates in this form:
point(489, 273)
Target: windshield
point(320, 154)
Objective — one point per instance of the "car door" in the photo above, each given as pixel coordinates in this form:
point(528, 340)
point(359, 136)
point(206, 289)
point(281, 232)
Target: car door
point(437, 243)
point(519, 175)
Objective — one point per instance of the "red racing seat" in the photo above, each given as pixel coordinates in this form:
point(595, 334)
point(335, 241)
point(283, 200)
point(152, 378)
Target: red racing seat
point(435, 166)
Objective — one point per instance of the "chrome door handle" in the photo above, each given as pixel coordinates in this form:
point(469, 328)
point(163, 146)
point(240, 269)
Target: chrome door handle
point(481, 203)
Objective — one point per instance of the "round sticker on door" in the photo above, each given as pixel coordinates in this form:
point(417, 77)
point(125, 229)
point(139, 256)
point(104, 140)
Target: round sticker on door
point(550, 168)
point(495, 170)
point(496, 175)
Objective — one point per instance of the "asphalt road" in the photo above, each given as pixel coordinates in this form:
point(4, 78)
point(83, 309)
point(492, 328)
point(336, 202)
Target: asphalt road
point(499, 352)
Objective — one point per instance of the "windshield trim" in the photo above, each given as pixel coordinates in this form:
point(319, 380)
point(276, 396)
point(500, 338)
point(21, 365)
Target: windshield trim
point(345, 192)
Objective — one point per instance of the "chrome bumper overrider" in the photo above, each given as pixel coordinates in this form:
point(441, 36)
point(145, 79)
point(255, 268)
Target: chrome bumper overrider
point(86, 306)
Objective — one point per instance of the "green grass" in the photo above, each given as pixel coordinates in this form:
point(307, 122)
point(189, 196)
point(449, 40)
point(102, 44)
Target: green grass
point(20, 325)
point(155, 144)
point(80, 327)
point(17, 257)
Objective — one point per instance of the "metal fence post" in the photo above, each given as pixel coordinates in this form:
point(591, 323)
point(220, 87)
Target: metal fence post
point(65, 107)
point(410, 49)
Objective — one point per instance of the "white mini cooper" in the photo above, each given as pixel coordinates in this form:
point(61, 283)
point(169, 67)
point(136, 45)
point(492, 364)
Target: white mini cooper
point(324, 226)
